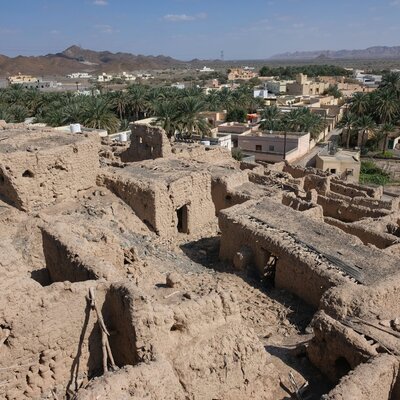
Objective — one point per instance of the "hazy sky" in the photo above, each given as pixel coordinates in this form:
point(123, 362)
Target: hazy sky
point(187, 29)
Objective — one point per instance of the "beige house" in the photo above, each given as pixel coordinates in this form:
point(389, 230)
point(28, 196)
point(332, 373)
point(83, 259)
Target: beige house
point(305, 87)
point(346, 164)
point(21, 79)
point(240, 73)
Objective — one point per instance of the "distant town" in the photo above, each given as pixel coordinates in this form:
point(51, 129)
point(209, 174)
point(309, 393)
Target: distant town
point(307, 113)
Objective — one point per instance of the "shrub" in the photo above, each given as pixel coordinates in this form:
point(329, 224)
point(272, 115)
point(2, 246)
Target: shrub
point(371, 174)
point(237, 154)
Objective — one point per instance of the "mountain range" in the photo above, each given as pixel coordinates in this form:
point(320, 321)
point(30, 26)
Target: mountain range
point(77, 59)
point(375, 52)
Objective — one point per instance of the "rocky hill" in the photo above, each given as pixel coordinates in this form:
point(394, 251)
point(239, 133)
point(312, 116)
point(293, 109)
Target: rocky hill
point(76, 59)
point(376, 52)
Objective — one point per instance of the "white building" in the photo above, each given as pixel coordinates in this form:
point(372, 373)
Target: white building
point(368, 79)
point(79, 75)
point(104, 77)
point(178, 85)
point(264, 94)
point(206, 69)
point(145, 77)
point(127, 77)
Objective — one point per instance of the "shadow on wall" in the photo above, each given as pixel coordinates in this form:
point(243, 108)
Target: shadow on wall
point(94, 366)
point(206, 253)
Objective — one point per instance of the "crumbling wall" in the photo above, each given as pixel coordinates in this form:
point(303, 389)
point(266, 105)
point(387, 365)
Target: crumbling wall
point(148, 142)
point(300, 172)
point(42, 171)
point(191, 342)
point(366, 234)
point(391, 205)
point(251, 244)
point(337, 349)
point(75, 255)
point(157, 201)
point(222, 188)
point(347, 187)
point(140, 196)
point(156, 381)
point(212, 155)
point(311, 209)
point(320, 183)
point(343, 211)
point(369, 381)
point(381, 299)
point(54, 340)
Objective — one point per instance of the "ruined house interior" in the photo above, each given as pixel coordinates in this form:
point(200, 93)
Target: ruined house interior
point(172, 271)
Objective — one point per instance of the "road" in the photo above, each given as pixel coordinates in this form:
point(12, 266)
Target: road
point(309, 159)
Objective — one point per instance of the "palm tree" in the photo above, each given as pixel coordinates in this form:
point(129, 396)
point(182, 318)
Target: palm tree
point(167, 116)
point(120, 102)
point(333, 90)
point(347, 124)
point(385, 130)
point(73, 111)
point(391, 81)
point(33, 100)
point(137, 100)
point(293, 119)
point(359, 104)
point(312, 123)
point(189, 119)
point(386, 106)
point(225, 98)
point(213, 101)
point(270, 118)
point(365, 125)
point(98, 115)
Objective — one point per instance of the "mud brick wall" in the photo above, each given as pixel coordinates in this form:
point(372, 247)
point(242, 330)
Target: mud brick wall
point(33, 180)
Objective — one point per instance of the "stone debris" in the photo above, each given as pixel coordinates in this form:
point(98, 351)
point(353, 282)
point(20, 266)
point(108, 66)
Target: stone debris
point(171, 271)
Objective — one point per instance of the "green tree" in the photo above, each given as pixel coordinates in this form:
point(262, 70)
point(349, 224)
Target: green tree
point(98, 115)
point(333, 90)
point(137, 100)
point(386, 106)
point(167, 116)
point(385, 130)
point(120, 103)
point(189, 119)
point(270, 119)
point(359, 104)
point(391, 82)
point(347, 124)
point(236, 115)
point(365, 125)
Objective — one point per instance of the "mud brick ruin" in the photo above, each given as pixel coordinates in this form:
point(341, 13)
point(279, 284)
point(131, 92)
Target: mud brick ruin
point(171, 271)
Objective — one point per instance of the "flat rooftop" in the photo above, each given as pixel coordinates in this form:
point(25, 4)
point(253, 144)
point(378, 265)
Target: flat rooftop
point(276, 134)
point(337, 247)
point(22, 139)
point(165, 170)
point(341, 155)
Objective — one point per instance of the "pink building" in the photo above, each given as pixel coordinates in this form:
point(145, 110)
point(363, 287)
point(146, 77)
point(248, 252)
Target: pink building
point(275, 147)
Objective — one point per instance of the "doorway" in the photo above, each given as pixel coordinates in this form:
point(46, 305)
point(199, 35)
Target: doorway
point(182, 215)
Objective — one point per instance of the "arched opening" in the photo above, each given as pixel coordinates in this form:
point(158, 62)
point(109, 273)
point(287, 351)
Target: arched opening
point(28, 174)
point(342, 367)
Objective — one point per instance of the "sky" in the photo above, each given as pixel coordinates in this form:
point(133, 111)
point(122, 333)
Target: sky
point(187, 29)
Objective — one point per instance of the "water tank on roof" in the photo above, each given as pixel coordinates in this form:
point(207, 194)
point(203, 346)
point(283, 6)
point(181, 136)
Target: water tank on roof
point(75, 128)
point(123, 137)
